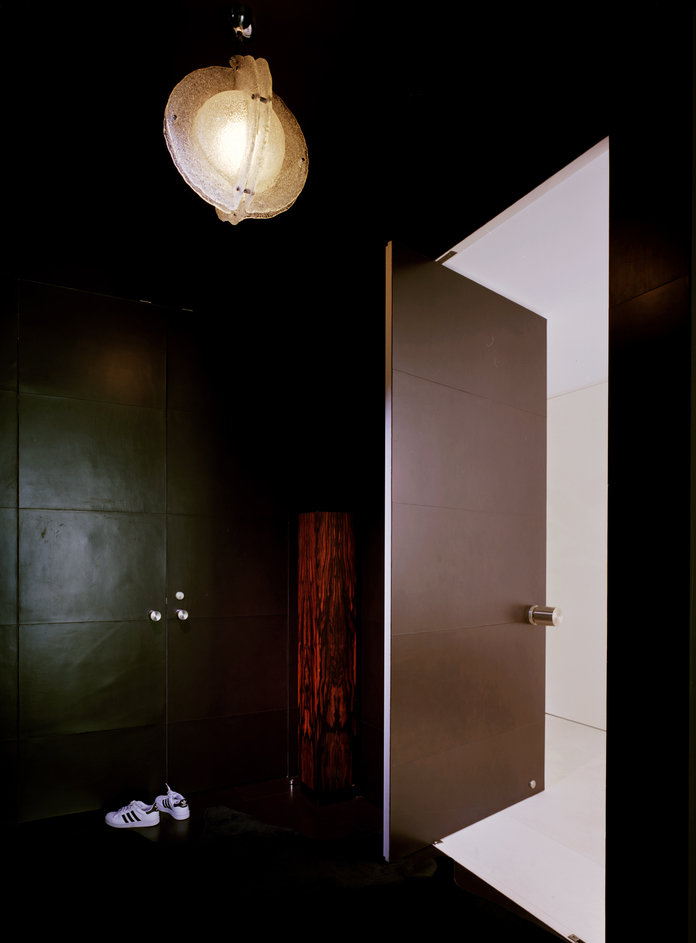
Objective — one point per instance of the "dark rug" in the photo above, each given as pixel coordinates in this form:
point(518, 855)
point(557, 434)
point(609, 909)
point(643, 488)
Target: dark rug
point(258, 856)
point(335, 888)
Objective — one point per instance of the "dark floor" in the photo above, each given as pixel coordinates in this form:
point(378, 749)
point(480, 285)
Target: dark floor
point(250, 858)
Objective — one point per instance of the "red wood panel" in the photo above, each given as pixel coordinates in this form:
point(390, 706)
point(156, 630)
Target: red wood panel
point(327, 650)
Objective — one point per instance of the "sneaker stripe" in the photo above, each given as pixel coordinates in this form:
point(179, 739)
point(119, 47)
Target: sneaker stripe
point(133, 814)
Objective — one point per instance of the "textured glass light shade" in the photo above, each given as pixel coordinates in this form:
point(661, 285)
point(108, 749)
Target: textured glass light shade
point(234, 142)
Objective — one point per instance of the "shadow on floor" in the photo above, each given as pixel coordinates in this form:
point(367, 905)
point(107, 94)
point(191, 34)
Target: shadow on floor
point(251, 858)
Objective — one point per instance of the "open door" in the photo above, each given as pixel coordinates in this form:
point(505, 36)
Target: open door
point(465, 558)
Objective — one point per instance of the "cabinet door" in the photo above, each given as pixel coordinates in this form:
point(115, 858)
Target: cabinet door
point(91, 550)
point(227, 548)
point(466, 555)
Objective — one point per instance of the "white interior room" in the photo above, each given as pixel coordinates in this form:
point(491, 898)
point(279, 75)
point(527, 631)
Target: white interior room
point(550, 253)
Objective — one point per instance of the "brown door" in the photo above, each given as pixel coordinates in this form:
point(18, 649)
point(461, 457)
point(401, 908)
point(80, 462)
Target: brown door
point(466, 552)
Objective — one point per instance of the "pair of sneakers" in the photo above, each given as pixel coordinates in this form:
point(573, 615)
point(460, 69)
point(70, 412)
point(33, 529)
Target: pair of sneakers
point(139, 814)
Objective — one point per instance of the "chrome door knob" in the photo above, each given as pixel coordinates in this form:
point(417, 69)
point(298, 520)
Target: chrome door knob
point(155, 615)
point(182, 615)
point(544, 615)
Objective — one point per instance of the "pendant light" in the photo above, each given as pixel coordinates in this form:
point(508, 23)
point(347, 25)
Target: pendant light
point(233, 140)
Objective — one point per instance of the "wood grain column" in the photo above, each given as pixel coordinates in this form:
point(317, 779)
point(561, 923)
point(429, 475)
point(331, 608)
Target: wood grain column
point(327, 651)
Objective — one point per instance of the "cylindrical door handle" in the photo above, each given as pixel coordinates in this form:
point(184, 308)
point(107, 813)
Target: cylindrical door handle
point(155, 615)
point(544, 615)
point(182, 615)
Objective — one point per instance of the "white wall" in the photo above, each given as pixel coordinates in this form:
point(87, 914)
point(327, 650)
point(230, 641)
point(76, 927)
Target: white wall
point(577, 554)
point(550, 253)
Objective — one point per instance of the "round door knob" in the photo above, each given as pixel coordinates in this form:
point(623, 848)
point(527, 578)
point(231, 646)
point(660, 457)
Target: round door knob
point(182, 615)
point(544, 615)
point(155, 615)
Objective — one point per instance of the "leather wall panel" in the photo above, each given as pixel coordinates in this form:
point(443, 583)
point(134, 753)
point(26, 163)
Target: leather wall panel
point(242, 660)
point(371, 674)
point(91, 347)
point(9, 765)
point(83, 769)
point(8, 333)
point(651, 222)
point(214, 467)
point(8, 449)
point(8, 682)
point(92, 548)
point(227, 421)
point(227, 540)
point(8, 550)
point(96, 456)
point(655, 317)
point(193, 365)
point(76, 678)
point(651, 500)
point(207, 753)
point(202, 477)
point(229, 566)
point(115, 489)
point(8, 565)
point(86, 566)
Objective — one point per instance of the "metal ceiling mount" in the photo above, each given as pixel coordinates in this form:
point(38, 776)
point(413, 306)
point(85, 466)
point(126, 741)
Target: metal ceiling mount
point(241, 19)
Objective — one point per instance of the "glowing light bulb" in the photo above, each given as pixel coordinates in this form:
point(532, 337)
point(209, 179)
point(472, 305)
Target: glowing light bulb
point(221, 126)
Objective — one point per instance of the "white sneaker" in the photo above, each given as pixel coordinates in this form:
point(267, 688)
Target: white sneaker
point(173, 803)
point(134, 815)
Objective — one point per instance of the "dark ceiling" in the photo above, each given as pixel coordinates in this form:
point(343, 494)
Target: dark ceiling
point(422, 122)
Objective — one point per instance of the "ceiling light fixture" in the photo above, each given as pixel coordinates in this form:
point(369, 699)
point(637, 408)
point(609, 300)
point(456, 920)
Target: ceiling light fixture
point(232, 140)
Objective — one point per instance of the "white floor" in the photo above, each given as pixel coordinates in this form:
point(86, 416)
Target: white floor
point(547, 853)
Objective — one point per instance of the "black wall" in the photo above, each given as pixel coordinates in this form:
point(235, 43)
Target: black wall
point(138, 464)
point(650, 510)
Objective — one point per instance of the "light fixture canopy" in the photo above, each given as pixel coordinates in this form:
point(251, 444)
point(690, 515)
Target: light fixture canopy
point(235, 142)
